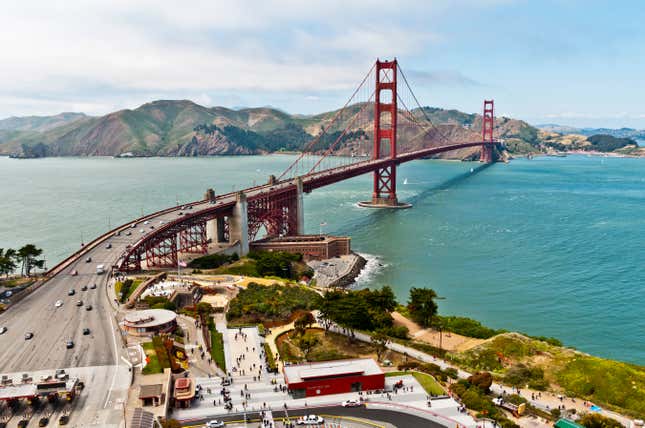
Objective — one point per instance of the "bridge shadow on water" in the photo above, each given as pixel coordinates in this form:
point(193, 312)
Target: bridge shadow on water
point(375, 215)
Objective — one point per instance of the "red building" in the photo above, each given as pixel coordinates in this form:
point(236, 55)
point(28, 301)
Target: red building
point(333, 377)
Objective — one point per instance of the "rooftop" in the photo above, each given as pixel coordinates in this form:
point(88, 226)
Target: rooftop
point(311, 371)
point(149, 318)
point(148, 391)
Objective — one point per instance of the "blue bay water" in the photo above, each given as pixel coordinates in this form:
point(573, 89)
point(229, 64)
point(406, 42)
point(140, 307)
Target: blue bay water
point(551, 246)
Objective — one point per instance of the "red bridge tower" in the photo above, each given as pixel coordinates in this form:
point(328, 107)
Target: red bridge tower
point(385, 126)
point(488, 122)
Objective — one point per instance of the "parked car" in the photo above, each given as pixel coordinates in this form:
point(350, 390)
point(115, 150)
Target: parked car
point(352, 402)
point(64, 420)
point(86, 331)
point(43, 421)
point(214, 424)
point(310, 420)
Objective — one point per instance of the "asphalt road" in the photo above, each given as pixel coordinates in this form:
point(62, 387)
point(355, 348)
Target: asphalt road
point(398, 419)
point(53, 327)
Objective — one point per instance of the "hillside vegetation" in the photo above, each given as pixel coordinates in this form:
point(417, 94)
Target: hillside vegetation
point(183, 128)
point(519, 360)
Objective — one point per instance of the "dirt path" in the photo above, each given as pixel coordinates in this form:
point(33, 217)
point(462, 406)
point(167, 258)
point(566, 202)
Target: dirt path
point(449, 341)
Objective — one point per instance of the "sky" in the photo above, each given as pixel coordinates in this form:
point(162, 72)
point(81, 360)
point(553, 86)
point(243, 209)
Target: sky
point(568, 62)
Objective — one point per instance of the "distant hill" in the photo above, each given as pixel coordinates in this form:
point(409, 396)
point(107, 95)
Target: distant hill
point(618, 133)
point(184, 128)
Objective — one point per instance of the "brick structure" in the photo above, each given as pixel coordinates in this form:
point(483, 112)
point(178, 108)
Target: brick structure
point(314, 247)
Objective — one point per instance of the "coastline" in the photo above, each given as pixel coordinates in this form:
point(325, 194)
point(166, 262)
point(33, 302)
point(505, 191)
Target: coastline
point(338, 271)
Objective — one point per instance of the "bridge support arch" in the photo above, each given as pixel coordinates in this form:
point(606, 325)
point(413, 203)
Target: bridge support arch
point(385, 127)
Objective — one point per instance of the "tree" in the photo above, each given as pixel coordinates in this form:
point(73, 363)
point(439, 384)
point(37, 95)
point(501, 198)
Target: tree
point(594, 420)
point(27, 254)
point(304, 322)
point(204, 309)
point(306, 343)
point(379, 340)
point(422, 306)
point(7, 261)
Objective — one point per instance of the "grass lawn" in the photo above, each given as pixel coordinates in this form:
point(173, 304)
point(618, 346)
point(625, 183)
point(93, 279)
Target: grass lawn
point(428, 383)
point(217, 349)
point(153, 365)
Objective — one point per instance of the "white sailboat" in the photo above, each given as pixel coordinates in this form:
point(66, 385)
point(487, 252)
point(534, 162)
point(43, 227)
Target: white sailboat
point(405, 181)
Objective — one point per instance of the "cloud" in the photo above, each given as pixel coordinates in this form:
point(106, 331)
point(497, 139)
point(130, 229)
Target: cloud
point(440, 77)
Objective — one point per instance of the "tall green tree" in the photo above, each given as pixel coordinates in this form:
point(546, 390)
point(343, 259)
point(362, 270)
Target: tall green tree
point(7, 261)
point(422, 306)
point(379, 340)
point(28, 255)
point(307, 342)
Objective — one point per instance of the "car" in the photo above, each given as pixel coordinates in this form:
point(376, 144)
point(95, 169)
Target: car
point(88, 307)
point(190, 207)
point(71, 292)
point(180, 213)
point(214, 424)
point(84, 288)
point(161, 222)
point(88, 260)
point(152, 227)
point(79, 303)
point(146, 222)
point(310, 420)
point(117, 233)
point(352, 402)
point(74, 272)
point(128, 233)
point(86, 331)
point(108, 246)
point(142, 230)
point(133, 225)
point(28, 335)
point(43, 421)
point(61, 374)
point(58, 303)
point(69, 344)
point(183, 207)
point(3, 330)
point(64, 420)
point(93, 286)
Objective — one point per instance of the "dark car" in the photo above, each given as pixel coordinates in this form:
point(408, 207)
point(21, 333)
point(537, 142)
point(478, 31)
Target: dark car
point(86, 331)
point(88, 260)
point(88, 307)
point(43, 421)
point(28, 335)
point(71, 292)
point(79, 303)
point(64, 420)
point(108, 246)
point(84, 288)
point(69, 344)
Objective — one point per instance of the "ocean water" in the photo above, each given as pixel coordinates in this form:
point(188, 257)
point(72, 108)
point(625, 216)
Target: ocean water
point(549, 246)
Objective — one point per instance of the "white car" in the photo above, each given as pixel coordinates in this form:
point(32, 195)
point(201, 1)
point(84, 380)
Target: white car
point(352, 402)
point(310, 420)
point(146, 222)
point(58, 303)
point(214, 424)
point(3, 330)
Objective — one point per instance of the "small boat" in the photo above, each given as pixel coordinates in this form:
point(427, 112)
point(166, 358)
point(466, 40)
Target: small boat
point(472, 170)
point(405, 181)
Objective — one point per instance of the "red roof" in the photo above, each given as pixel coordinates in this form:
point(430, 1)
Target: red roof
point(182, 383)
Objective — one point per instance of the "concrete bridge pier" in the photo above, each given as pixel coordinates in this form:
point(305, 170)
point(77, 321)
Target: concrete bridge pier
point(215, 230)
point(300, 208)
point(238, 227)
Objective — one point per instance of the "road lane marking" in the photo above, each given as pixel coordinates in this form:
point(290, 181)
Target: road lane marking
point(116, 364)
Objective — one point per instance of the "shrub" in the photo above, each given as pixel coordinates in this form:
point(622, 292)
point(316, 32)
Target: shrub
point(594, 420)
point(212, 261)
point(482, 380)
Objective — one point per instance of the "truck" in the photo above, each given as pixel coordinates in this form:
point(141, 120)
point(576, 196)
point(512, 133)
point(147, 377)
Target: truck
point(100, 269)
